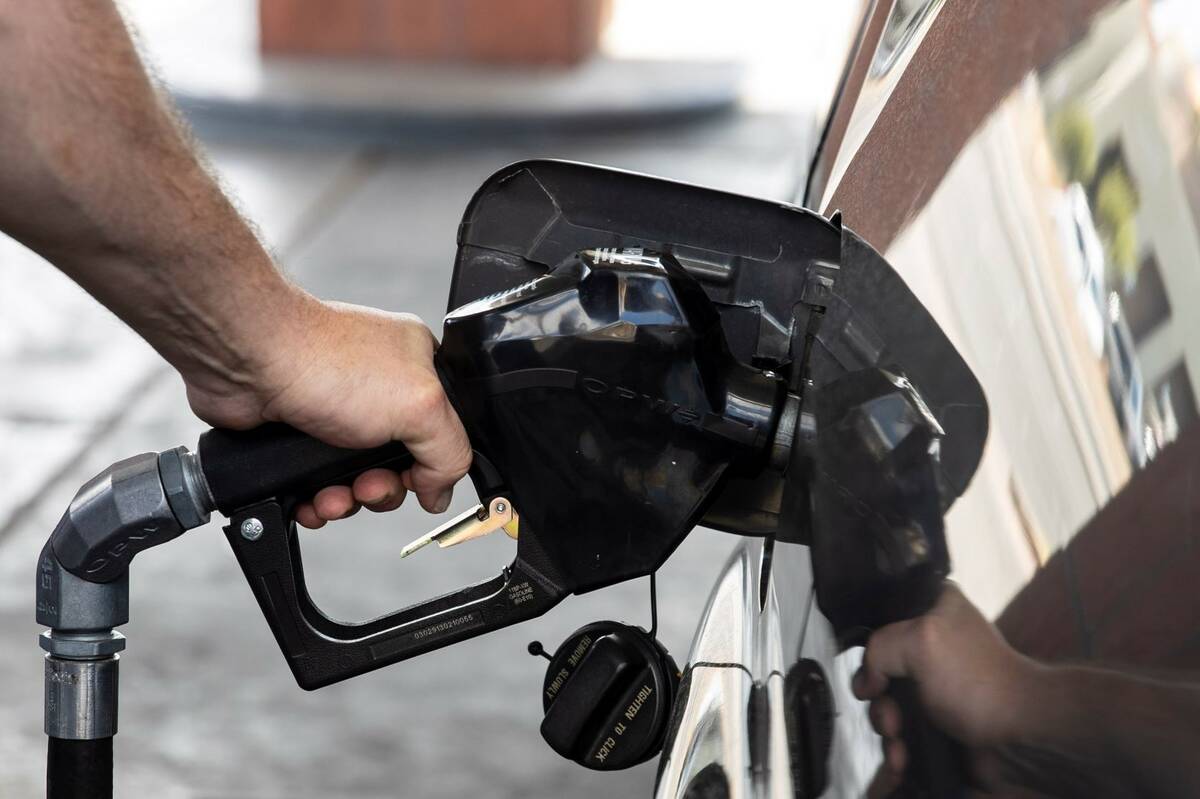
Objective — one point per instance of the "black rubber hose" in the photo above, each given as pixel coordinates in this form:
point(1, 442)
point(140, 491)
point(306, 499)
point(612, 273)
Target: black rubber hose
point(79, 769)
point(937, 764)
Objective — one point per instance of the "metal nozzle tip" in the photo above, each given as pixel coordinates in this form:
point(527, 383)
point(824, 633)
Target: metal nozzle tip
point(412, 547)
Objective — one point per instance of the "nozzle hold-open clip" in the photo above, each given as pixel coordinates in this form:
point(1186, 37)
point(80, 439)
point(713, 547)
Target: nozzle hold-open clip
point(475, 523)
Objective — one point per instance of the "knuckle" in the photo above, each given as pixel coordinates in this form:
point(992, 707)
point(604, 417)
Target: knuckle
point(425, 398)
point(874, 650)
point(411, 319)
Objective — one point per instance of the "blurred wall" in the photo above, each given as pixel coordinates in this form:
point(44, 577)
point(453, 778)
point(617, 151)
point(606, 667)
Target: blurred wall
point(513, 32)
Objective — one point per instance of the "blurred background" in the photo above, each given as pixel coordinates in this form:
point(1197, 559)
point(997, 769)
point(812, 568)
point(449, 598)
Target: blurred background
point(352, 134)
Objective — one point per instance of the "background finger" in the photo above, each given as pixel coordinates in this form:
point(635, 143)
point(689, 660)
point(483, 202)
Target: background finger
point(886, 717)
point(883, 784)
point(895, 756)
point(868, 684)
point(888, 654)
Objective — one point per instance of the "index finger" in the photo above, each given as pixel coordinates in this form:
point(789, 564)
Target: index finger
point(888, 655)
point(441, 450)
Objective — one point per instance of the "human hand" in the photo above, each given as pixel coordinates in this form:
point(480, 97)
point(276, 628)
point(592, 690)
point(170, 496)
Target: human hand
point(971, 683)
point(353, 377)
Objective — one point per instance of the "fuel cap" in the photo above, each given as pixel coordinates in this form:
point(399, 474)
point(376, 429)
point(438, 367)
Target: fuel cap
point(608, 695)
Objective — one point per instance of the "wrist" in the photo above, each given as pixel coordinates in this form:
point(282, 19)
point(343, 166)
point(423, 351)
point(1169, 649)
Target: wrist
point(1050, 705)
point(274, 319)
point(1031, 685)
point(232, 342)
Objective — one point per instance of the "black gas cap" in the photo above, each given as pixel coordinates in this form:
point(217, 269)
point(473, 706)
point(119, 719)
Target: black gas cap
point(608, 695)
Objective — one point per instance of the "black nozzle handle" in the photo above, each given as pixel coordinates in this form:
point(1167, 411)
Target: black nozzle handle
point(321, 651)
point(937, 764)
point(243, 467)
point(256, 476)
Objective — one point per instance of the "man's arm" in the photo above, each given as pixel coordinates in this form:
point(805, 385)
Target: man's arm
point(98, 176)
point(1060, 730)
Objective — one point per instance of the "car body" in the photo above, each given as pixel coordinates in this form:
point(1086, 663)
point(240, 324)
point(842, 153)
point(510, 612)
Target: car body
point(1001, 156)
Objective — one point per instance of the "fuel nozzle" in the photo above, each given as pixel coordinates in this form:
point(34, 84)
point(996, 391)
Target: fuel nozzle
point(864, 477)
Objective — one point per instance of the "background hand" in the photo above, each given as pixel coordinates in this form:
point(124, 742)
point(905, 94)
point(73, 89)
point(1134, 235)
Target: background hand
point(971, 683)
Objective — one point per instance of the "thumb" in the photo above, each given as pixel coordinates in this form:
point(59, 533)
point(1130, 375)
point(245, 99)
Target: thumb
point(891, 653)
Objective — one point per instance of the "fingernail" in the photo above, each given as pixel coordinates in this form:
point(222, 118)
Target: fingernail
point(443, 501)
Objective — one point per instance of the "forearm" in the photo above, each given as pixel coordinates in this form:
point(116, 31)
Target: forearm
point(1090, 732)
point(99, 178)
